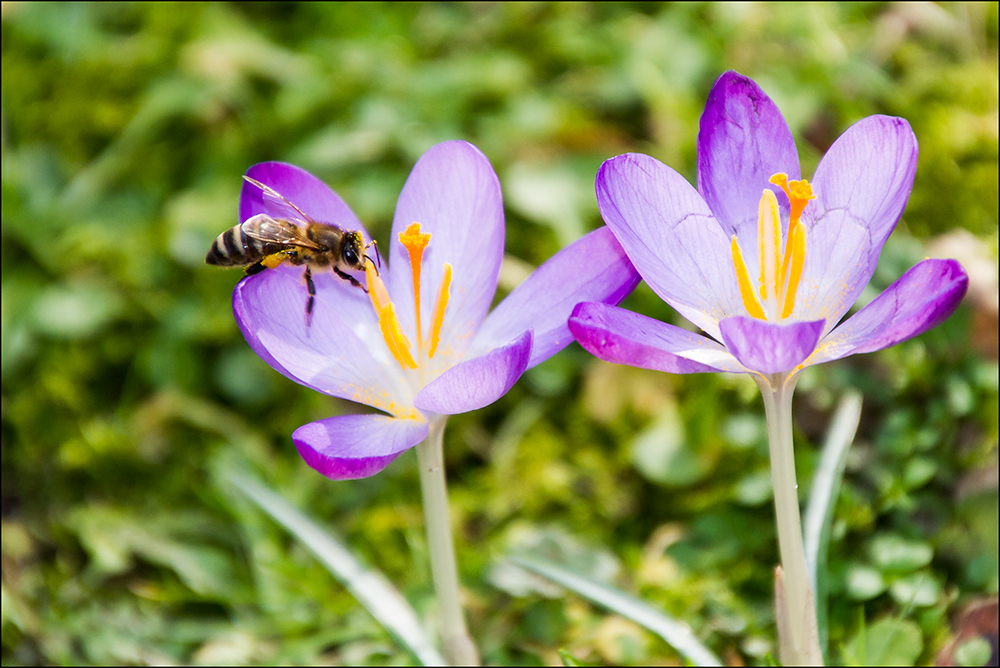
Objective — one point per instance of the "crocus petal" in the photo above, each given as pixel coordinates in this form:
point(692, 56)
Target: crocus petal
point(304, 190)
point(356, 446)
point(861, 186)
point(477, 382)
point(921, 299)
point(341, 354)
point(617, 335)
point(743, 140)
point(671, 237)
point(768, 347)
point(594, 268)
point(454, 194)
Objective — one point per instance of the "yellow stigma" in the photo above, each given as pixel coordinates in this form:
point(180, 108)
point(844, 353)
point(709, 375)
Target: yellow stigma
point(799, 194)
point(415, 242)
point(780, 269)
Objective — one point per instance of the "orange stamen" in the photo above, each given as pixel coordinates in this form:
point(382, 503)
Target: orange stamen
point(440, 304)
point(388, 323)
point(795, 258)
point(780, 268)
point(398, 344)
point(753, 306)
point(769, 241)
point(415, 242)
point(376, 288)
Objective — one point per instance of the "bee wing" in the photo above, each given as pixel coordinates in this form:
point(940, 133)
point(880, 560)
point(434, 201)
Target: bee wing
point(276, 231)
point(281, 203)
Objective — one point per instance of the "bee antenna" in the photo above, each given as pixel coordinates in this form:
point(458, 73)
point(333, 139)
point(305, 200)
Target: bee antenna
point(377, 258)
point(373, 262)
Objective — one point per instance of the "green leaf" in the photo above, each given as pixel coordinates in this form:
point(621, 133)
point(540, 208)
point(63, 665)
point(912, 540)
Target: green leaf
point(662, 454)
point(370, 587)
point(894, 554)
point(973, 652)
point(917, 590)
point(675, 633)
point(863, 582)
point(822, 501)
point(887, 642)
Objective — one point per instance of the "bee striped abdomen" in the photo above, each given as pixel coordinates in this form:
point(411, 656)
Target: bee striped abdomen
point(233, 248)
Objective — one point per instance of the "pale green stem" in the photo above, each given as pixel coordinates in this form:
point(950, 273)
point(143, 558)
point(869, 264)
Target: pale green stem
point(797, 634)
point(459, 649)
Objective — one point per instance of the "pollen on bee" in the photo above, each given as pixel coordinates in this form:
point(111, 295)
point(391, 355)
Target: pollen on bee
point(272, 261)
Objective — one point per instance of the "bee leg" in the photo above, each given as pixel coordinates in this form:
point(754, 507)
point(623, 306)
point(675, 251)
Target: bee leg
point(348, 277)
point(311, 287)
point(255, 269)
point(270, 262)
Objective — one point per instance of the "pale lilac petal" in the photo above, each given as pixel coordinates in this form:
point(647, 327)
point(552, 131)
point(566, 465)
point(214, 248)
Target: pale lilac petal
point(356, 446)
point(769, 347)
point(454, 194)
point(743, 140)
point(921, 299)
point(617, 335)
point(671, 237)
point(594, 268)
point(316, 199)
point(861, 186)
point(341, 354)
point(477, 382)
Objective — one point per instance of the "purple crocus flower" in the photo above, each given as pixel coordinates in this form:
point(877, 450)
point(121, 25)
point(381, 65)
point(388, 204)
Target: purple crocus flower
point(764, 263)
point(416, 355)
point(767, 264)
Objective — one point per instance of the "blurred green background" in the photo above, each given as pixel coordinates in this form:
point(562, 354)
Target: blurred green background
point(128, 391)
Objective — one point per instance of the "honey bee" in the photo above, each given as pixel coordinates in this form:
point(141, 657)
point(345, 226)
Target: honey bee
point(263, 242)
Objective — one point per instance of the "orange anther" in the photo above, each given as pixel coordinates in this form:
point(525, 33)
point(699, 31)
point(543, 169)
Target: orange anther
point(440, 304)
point(746, 287)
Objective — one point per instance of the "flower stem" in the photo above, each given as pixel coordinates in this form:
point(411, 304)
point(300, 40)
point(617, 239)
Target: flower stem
point(459, 649)
point(798, 637)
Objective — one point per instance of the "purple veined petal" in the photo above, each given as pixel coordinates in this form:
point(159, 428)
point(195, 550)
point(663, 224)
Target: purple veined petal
point(356, 446)
point(593, 268)
point(616, 335)
point(769, 347)
point(921, 299)
point(477, 382)
point(743, 140)
point(861, 186)
point(671, 237)
point(302, 189)
point(341, 354)
point(454, 194)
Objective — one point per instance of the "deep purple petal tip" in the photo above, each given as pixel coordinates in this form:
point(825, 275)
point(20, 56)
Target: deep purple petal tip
point(743, 140)
point(356, 446)
point(770, 347)
point(617, 335)
point(922, 298)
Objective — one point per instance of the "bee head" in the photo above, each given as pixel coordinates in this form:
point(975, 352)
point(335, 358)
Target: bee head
point(354, 251)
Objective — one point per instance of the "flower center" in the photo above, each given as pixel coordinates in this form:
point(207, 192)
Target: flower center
point(780, 272)
point(408, 357)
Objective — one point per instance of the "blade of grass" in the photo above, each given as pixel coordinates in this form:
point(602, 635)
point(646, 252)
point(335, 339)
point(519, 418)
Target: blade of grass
point(381, 599)
point(677, 634)
point(823, 498)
